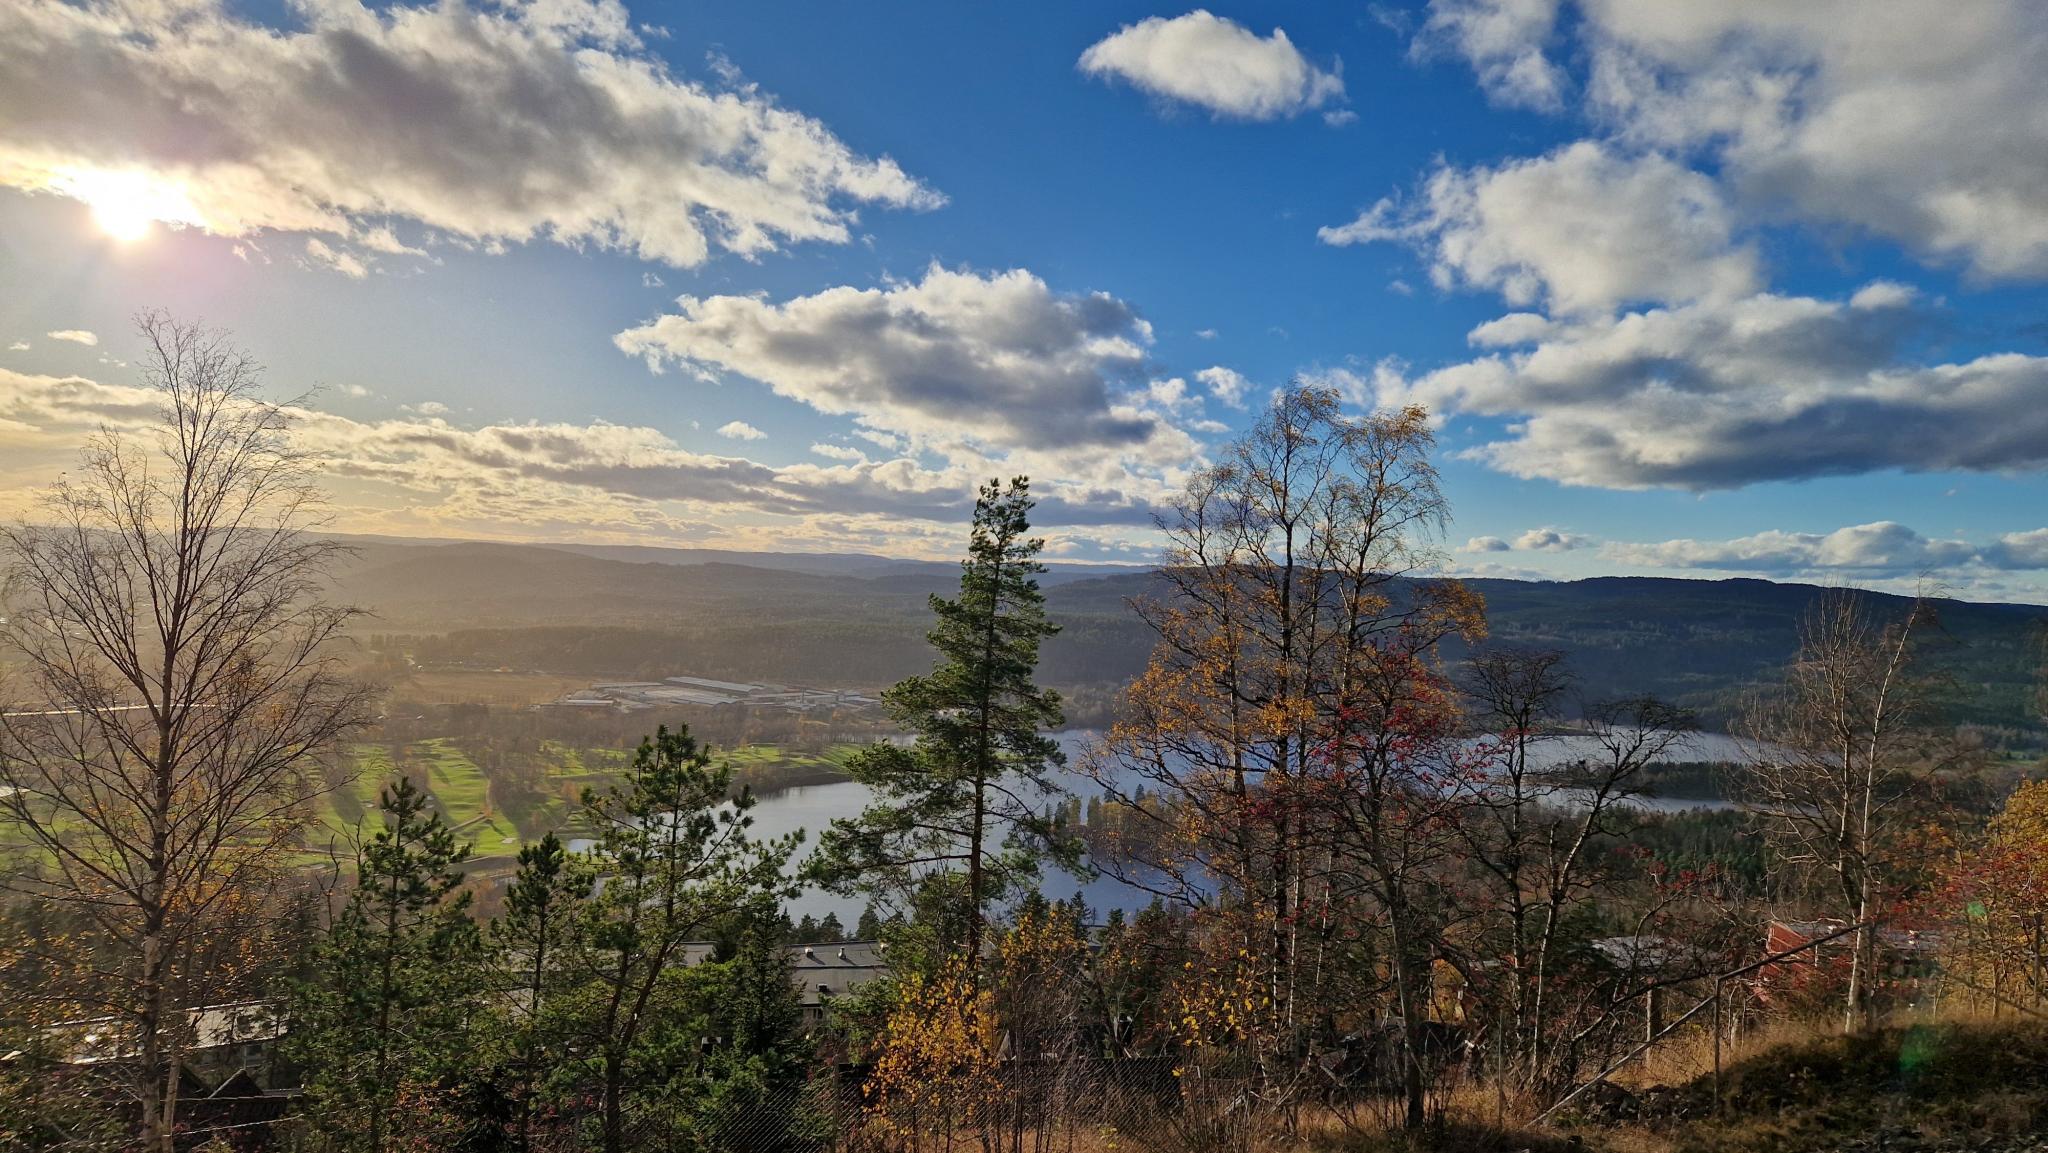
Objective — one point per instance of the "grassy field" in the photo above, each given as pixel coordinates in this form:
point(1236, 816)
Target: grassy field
point(462, 794)
point(476, 686)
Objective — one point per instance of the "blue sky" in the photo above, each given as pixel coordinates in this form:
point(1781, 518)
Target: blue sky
point(1704, 291)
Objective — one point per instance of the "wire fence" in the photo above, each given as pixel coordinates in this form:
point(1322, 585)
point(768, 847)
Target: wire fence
point(1075, 1105)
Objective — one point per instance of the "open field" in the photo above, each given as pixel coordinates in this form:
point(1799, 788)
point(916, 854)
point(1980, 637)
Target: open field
point(483, 686)
point(500, 815)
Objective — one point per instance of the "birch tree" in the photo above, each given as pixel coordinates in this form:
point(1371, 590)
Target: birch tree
point(180, 681)
point(1839, 750)
point(1296, 624)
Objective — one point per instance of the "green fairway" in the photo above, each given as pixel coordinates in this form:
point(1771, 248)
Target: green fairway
point(461, 792)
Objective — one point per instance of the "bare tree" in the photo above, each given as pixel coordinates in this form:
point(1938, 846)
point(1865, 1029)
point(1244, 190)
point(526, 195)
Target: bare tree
point(1531, 825)
point(1841, 746)
point(181, 677)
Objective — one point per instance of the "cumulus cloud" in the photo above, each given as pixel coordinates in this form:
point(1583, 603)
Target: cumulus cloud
point(1227, 385)
point(838, 452)
point(1486, 544)
point(1719, 394)
point(1504, 40)
point(74, 336)
point(1582, 230)
point(1922, 124)
point(1551, 540)
point(2018, 550)
point(18, 346)
point(1216, 64)
point(416, 113)
point(1882, 548)
point(1001, 359)
point(740, 430)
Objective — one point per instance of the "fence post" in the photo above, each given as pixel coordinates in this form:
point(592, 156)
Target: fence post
point(1717, 1046)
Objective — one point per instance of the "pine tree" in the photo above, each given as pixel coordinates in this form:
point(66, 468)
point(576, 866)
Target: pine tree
point(541, 907)
point(677, 861)
point(400, 980)
point(869, 927)
point(967, 796)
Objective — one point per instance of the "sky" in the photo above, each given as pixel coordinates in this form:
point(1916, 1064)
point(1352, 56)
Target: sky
point(1741, 289)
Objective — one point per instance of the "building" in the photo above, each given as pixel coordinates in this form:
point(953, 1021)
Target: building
point(823, 972)
point(704, 692)
point(1905, 957)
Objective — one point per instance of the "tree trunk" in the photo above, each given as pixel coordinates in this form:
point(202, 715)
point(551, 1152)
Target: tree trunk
point(614, 1112)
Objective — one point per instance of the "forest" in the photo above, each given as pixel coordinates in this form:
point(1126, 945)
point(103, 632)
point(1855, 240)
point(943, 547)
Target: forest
point(242, 908)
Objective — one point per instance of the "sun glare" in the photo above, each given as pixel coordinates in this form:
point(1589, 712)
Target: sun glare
point(126, 204)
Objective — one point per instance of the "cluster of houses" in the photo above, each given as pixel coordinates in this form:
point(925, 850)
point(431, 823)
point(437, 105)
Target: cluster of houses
point(704, 692)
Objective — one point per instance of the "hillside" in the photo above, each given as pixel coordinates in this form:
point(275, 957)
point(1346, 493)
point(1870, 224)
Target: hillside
point(565, 611)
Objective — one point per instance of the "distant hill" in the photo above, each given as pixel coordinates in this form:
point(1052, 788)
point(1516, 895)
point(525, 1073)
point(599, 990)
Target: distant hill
point(859, 621)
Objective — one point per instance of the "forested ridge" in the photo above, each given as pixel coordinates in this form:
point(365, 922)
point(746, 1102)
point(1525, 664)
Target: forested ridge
point(1696, 642)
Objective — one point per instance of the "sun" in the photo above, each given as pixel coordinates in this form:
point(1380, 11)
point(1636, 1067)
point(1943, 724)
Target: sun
point(126, 205)
point(126, 219)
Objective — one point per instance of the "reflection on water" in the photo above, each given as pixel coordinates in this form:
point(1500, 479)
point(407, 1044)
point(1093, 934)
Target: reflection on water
point(812, 807)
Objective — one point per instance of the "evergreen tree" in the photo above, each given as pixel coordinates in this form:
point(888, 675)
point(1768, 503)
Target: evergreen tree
point(869, 927)
point(541, 907)
point(966, 797)
point(677, 861)
point(748, 1089)
point(830, 931)
point(399, 981)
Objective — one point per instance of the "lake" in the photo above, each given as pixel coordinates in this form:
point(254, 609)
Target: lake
point(812, 807)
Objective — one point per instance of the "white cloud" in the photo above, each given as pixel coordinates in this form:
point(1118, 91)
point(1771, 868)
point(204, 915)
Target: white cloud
point(1214, 63)
point(1719, 394)
point(740, 430)
point(1206, 333)
point(1882, 548)
point(1917, 120)
point(420, 472)
point(320, 254)
point(839, 452)
point(1486, 544)
point(1582, 229)
point(74, 336)
point(1226, 385)
point(18, 346)
point(652, 280)
point(1551, 540)
point(417, 113)
point(1504, 40)
point(2019, 550)
point(1001, 360)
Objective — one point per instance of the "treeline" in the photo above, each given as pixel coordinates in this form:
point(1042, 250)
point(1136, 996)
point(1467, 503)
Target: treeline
point(841, 652)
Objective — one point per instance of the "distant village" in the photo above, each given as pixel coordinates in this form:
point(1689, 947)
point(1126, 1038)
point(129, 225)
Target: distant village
point(632, 696)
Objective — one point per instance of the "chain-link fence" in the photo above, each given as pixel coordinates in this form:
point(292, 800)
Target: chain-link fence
point(1043, 1107)
point(1076, 1105)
